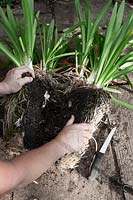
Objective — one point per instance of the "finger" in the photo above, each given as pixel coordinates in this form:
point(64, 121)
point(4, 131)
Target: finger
point(87, 135)
point(25, 80)
point(70, 121)
point(83, 126)
point(89, 126)
point(25, 70)
point(85, 141)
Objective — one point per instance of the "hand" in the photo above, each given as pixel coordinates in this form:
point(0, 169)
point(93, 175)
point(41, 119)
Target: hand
point(14, 81)
point(74, 136)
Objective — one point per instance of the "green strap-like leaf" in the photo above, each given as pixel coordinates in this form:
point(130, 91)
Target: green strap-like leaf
point(9, 54)
point(122, 103)
point(112, 90)
point(81, 20)
point(27, 6)
point(122, 72)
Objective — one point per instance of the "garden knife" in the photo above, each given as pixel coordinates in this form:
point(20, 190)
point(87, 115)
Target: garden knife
point(96, 165)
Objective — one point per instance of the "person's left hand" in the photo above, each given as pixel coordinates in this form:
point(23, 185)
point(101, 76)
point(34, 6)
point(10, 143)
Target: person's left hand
point(14, 80)
point(73, 137)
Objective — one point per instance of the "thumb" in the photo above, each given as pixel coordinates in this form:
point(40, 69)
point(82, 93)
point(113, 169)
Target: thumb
point(70, 121)
point(25, 80)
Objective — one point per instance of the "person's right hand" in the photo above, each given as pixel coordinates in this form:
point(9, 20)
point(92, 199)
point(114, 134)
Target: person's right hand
point(14, 81)
point(74, 136)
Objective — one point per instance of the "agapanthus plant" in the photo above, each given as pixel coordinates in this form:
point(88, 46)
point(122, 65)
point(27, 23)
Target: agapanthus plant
point(55, 46)
point(101, 55)
point(20, 37)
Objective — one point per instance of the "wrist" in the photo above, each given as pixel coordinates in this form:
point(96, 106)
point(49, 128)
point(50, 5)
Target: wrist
point(66, 149)
point(4, 88)
point(61, 145)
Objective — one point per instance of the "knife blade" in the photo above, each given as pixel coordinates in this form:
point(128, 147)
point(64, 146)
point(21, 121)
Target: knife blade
point(97, 160)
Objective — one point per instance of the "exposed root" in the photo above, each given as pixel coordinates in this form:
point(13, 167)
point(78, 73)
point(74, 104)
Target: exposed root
point(14, 108)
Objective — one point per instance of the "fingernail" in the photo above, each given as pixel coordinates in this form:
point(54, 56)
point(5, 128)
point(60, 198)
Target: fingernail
point(73, 117)
point(31, 79)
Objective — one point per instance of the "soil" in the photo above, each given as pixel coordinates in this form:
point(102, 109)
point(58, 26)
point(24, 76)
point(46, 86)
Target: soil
point(55, 98)
point(52, 99)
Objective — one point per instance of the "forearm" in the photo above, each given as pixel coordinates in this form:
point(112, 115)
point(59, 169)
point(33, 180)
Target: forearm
point(29, 166)
point(36, 162)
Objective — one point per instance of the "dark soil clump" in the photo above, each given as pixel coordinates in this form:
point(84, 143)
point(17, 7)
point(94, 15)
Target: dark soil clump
point(52, 99)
